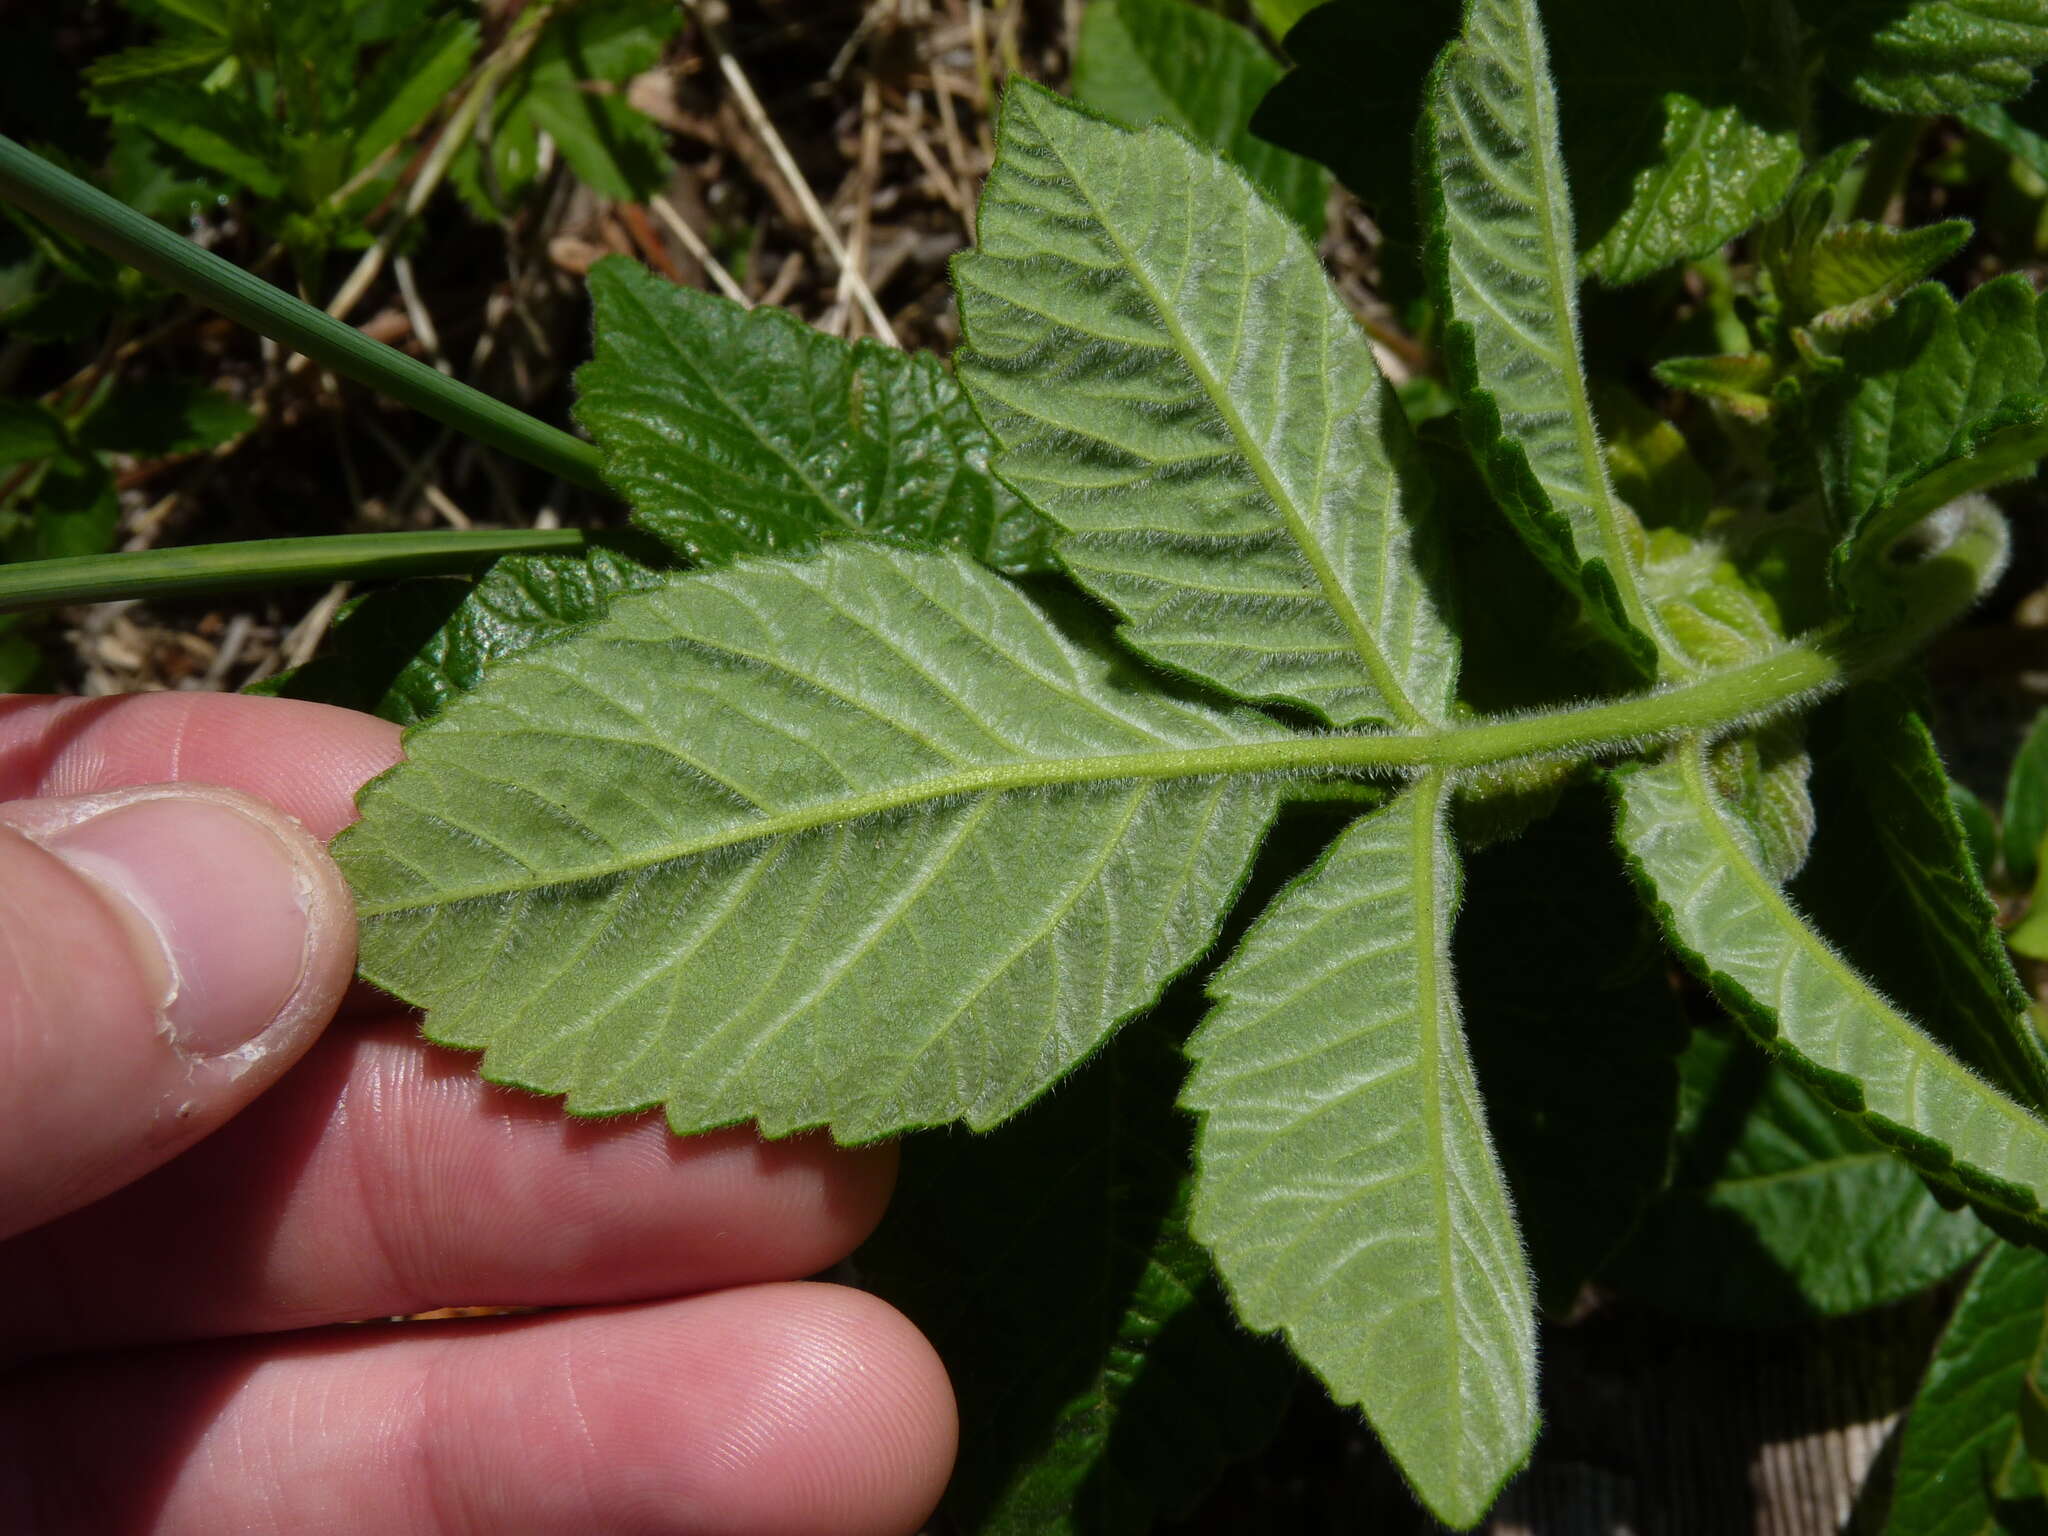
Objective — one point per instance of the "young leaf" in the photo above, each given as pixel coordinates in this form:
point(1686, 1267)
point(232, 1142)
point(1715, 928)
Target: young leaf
point(1173, 382)
point(1926, 390)
point(1700, 867)
point(1165, 61)
point(1963, 1464)
point(1501, 261)
point(221, 132)
point(1849, 274)
point(734, 432)
point(163, 417)
point(1575, 1032)
point(1930, 56)
point(1344, 1179)
point(28, 432)
point(701, 852)
point(1803, 1214)
point(1676, 139)
point(1893, 883)
point(1134, 1385)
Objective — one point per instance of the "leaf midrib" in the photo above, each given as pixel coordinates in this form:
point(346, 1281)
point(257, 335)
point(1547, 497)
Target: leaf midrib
point(1362, 640)
point(1693, 757)
point(1715, 701)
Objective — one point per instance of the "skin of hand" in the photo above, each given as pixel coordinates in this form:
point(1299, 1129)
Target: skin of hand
point(198, 1174)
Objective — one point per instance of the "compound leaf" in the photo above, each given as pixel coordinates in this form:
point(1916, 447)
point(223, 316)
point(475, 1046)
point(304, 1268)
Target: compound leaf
point(1963, 1463)
point(1804, 1215)
point(1173, 381)
point(701, 852)
point(1134, 1385)
point(1165, 61)
point(1500, 259)
point(1699, 866)
point(1344, 1179)
point(747, 432)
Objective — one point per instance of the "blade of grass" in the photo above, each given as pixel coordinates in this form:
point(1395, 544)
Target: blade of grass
point(62, 200)
point(204, 568)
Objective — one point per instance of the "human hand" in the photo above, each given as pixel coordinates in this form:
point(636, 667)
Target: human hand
point(164, 1240)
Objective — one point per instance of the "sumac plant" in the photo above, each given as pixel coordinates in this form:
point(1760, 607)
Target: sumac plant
point(1150, 748)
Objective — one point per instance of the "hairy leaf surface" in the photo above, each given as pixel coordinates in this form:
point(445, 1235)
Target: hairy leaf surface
point(1165, 61)
point(1173, 381)
point(735, 432)
point(2026, 803)
point(1674, 136)
point(1344, 1178)
point(1963, 1464)
point(1936, 400)
point(1930, 56)
point(1781, 1209)
point(1500, 258)
point(707, 851)
point(1700, 867)
point(1894, 884)
point(1134, 1385)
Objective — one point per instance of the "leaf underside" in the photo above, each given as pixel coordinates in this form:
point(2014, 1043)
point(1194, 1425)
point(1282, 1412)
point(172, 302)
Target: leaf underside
point(1172, 380)
point(1735, 927)
point(1501, 262)
point(1345, 1182)
point(730, 850)
point(736, 432)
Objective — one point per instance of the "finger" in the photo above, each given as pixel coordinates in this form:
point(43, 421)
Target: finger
point(780, 1410)
point(308, 760)
point(383, 1178)
point(165, 954)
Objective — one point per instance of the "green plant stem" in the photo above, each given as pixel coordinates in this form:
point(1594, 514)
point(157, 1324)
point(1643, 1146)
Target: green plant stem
point(63, 201)
point(202, 568)
point(1710, 704)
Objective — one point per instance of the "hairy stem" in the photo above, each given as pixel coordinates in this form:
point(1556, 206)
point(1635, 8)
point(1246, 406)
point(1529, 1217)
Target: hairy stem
point(1710, 704)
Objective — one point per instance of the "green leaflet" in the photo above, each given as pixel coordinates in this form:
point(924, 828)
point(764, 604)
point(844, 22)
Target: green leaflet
point(1133, 1386)
point(1735, 927)
point(1963, 1466)
point(1500, 260)
point(1173, 382)
point(1893, 884)
point(1782, 1209)
point(1937, 400)
point(1675, 134)
point(1848, 274)
point(1165, 61)
point(706, 851)
point(1344, 1179)
point(735, 432)
point(1930, 56)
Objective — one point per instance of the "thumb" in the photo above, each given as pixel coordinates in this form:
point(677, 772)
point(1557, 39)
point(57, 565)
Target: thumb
point(165, 954)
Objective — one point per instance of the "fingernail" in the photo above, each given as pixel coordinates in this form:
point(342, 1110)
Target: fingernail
point(221, 896)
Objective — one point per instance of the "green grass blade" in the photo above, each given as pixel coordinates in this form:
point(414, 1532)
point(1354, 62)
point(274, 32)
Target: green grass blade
point(103, 222)
point(203, 568)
